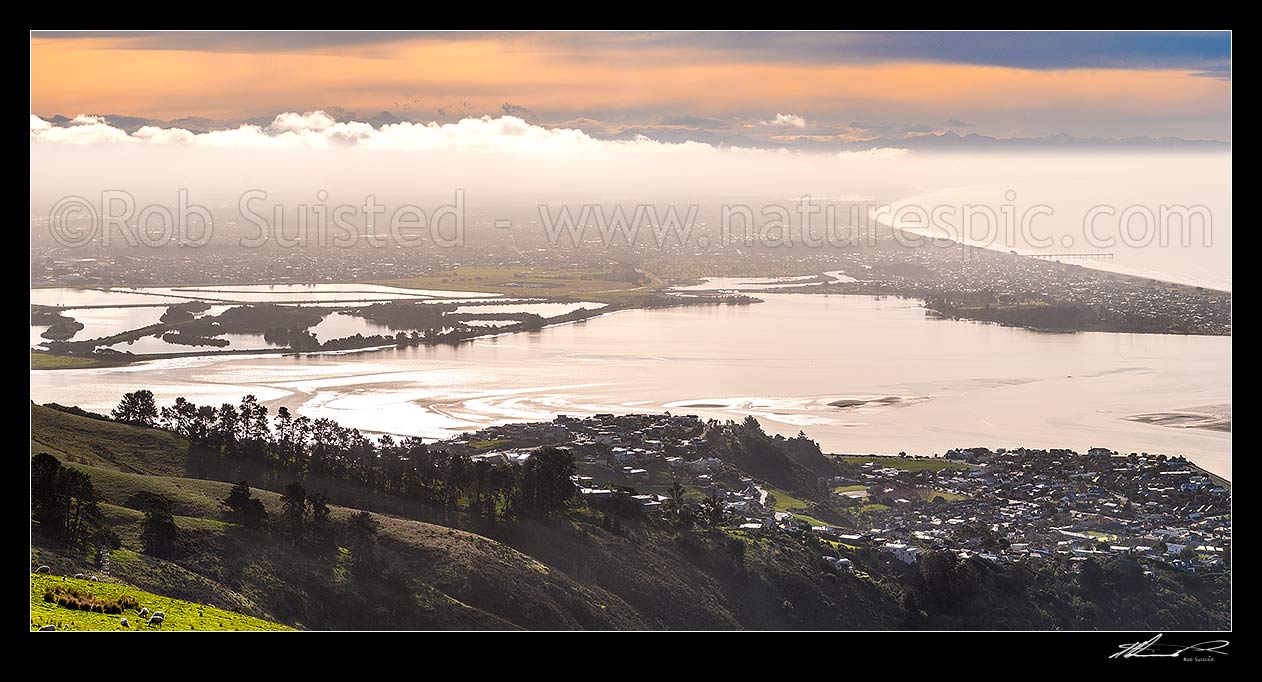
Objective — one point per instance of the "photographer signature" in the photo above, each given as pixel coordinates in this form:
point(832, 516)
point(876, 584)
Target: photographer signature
point(1151, 649)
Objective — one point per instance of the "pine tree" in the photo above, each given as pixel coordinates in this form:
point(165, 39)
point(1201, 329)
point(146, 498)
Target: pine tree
point(363, 531)
point(159, 534)
point(137, 407)
point(294, 511)
point(243, 508)
point(322, 530)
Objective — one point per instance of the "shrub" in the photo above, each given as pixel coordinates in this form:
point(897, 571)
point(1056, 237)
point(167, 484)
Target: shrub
point(80, 600)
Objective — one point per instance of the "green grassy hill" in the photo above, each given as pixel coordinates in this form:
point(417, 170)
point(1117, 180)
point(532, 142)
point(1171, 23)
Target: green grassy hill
point(105, 444)
point(178, 613)
point(261, 574)
point(447, 569)
point(49, 361)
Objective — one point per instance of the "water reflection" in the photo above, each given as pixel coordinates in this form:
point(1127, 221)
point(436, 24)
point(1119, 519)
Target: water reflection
point(790, 361)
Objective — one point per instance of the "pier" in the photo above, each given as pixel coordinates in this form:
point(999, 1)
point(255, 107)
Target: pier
point(1079, 256)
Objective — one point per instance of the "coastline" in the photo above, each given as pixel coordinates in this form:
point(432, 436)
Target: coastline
point(816, 288)
point(123, 359)
point(1099, 265)
point(842, 436)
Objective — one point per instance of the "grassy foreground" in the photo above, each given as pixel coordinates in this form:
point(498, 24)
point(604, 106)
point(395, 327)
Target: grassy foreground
point(50, 361)
point(179, 614)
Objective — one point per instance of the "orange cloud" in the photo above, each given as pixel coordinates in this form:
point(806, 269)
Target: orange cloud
point(82, 75)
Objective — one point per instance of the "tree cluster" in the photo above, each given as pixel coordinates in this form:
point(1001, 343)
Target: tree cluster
point(405, 467)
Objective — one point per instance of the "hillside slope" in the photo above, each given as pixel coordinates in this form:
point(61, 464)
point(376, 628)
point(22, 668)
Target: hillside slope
point(47, 590)
point(446, 569)
point(260, 573)
point(435, 568)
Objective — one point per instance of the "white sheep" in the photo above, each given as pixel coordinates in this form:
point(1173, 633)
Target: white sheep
point(78, 576)
point(42, 569)
point(123, 622)
point(160, 614)
point(92, 578)
point(48, 628)
point(144, 612)
point(156, 619)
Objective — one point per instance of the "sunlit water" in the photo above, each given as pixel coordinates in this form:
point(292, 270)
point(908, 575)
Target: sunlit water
point(154, 344)
point(490, 323)
point(802, 283)
point(281, 293)
point(73, 297)
point(133, 308)
point(102, 322)
point(337, 326)
point(958, 383)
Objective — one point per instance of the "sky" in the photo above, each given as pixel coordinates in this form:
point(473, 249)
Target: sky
point(734, 88)
point(1065, 120)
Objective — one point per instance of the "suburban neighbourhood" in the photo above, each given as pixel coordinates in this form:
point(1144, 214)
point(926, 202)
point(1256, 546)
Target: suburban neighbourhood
point(1001, 505)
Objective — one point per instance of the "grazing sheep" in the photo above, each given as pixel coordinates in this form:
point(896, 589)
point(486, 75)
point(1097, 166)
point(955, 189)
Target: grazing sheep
point(144, 612)
point(160, 614)
point(42, 569)
point(92, 578)
point(123, 622)
point(78, 576)
point(48, 628)
point(156, 619)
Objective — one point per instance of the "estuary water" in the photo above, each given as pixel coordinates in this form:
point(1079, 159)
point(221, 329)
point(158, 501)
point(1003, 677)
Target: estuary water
point(858, 374)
